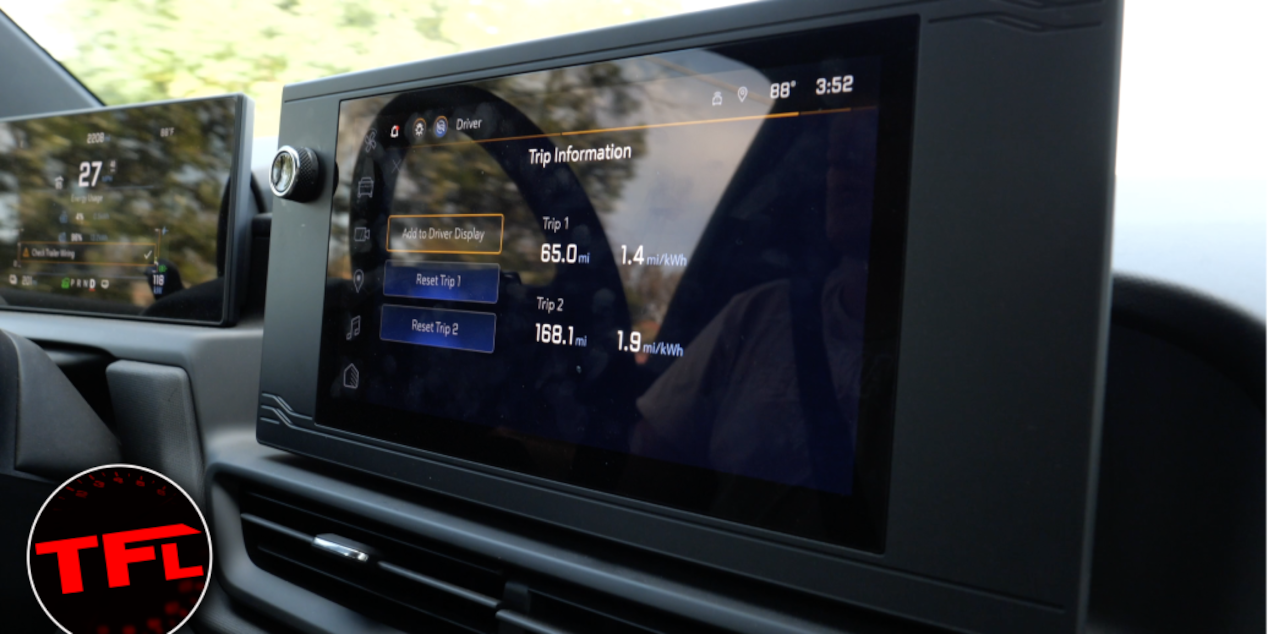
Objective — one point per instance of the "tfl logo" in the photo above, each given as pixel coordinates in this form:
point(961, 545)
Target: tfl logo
point(119, 550)
point(118, 555)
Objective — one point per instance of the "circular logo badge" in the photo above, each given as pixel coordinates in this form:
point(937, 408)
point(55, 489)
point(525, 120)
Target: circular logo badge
point(119, 549)
point(441, 127)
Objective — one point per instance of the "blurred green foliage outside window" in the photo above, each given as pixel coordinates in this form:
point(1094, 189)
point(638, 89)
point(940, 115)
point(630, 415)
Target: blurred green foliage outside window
point(128, 51)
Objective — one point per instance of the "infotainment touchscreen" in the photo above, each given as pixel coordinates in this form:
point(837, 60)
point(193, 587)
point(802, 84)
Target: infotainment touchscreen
point(673, 278)
point(122, 211)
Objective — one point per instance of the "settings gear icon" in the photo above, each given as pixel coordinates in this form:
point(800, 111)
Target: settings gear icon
point(420, 129)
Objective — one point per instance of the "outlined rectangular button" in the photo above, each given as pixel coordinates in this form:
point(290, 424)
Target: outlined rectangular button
point(452, 281)
point(98, 253)
point(438, 327)
point(457, 234)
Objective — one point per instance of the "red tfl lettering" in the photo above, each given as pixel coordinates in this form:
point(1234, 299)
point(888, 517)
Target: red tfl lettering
point(118, 555)
point(68, 559)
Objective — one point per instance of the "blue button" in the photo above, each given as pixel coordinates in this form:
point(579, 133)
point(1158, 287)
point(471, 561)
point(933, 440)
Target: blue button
point(451, 281)
point(439, 328)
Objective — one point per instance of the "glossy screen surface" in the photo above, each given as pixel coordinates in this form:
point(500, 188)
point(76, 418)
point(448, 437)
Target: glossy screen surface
point(119, 211)
point(674, 278)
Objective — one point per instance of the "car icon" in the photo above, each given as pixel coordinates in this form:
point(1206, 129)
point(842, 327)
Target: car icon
point(365, 187)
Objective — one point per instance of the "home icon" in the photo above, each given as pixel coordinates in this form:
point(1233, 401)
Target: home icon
point(351, 377)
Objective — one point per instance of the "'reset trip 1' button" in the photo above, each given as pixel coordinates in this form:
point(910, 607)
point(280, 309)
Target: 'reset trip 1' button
point(451, 281)
point(439, 328)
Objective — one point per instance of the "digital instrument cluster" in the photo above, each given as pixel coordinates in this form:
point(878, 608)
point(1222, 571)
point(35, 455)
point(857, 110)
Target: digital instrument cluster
point(119, 210)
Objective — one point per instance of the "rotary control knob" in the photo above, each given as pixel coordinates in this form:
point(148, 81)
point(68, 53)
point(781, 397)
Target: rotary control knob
point(295, 174)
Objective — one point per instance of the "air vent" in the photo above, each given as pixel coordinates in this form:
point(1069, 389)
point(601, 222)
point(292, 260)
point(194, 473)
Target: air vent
point(393, 578)
point(568, 608)
point(414, 585)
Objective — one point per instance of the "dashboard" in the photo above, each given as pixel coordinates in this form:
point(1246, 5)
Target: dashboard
point(693, 294)
point(785, 317)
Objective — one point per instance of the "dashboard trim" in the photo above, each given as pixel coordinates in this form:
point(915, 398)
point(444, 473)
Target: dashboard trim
point(994, 499)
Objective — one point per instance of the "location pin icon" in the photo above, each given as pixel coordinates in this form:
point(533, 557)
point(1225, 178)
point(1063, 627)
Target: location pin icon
point(742, 93)
point(358, 278)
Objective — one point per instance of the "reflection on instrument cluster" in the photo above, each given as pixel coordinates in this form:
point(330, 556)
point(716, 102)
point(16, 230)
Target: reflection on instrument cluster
point(118, 209)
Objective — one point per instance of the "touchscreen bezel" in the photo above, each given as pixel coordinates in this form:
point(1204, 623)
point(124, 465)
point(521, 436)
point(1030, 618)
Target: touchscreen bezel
point(856, 520)
point(238, 197)
point(1004, 318)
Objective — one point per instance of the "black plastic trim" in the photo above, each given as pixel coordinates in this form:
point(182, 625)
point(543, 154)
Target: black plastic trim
point(275, 527)
point(527, 624)
point(34, 81)
point(1220, 334)
point(449, 588)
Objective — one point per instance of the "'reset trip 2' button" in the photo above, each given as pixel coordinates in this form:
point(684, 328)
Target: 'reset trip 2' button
point(439, 328)
point(450, 281)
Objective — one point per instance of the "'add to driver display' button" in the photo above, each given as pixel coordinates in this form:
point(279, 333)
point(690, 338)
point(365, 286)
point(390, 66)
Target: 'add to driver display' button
point(439, 328)
point(452, 281)
point(467, 234)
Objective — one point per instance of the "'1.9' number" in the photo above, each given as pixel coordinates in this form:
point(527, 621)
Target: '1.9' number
point(834, 85)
